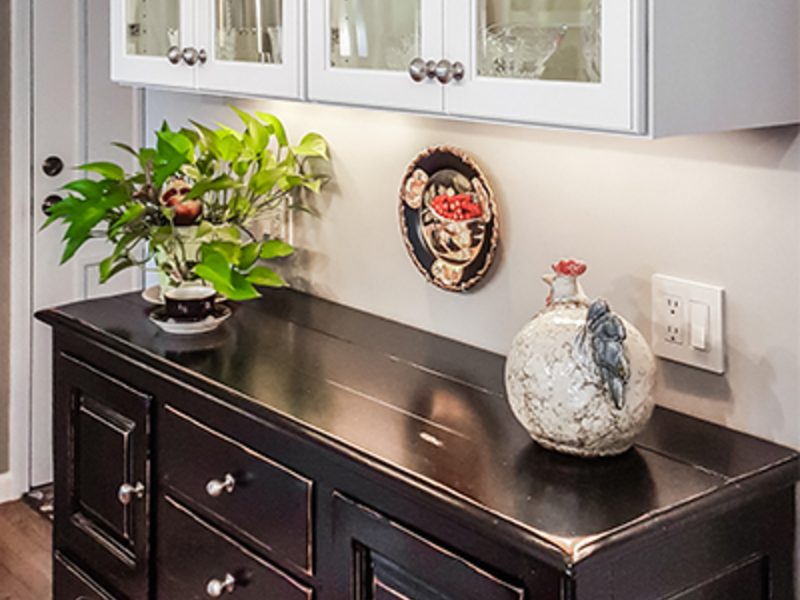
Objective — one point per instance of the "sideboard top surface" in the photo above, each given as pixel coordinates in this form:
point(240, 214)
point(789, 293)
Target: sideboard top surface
point(434, 411)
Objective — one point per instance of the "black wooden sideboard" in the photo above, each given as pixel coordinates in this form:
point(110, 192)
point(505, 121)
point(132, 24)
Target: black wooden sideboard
point(306, 450)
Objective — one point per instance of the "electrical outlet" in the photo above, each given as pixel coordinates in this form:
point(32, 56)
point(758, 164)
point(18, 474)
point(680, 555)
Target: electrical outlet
point(688, 324)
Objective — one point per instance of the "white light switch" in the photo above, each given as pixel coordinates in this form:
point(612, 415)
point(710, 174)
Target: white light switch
point(698, 325)
point(688, 325)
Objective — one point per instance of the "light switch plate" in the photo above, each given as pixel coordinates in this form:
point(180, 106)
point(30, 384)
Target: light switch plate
point(673, 327)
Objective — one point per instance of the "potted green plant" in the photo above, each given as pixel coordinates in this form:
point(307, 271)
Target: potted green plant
point(193, 203)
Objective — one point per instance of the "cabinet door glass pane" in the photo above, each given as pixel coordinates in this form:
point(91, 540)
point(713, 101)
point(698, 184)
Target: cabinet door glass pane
point(153, 26)
point(249, 30)
point(540, 39)
point(375, 34)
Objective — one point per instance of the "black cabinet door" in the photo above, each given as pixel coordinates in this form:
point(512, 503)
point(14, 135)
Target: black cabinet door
point(101, 437)
point(386, 561)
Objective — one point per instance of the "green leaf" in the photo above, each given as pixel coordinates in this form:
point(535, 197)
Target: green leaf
point(262, 182)
point(241, 289)
point(106, 169)
point(315, 185)
point(134, 212)
point(249, 256)
point(223, 182)
point(288, 182)
point(91, 190)
point(208, 138)
point(120, 265)
point(229, 250)
point(257, 136)
point(313, 144)
point(265, 276)
point(275, 249)
point(171, 141)
point(214, 269)
point(230, 147)
point(277, 127)
point(204, 229)
point(125, 147)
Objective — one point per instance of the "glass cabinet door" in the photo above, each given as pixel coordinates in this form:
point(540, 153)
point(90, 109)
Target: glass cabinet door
point(566, 62)
point(253, 46)
point(148, 38)
point(360, 51)
point(152, 27)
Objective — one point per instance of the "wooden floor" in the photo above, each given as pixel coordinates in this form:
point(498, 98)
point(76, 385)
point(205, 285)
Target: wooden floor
point(25, 563)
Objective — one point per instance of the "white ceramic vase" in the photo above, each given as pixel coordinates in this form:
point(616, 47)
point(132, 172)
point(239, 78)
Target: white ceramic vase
point(579, 377)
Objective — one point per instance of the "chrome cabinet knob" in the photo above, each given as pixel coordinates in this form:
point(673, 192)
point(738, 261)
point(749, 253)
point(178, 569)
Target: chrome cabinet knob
point(127, 492)
point(215, 487)
point(446, 71)
point(192, 56)
point(420, 70)
point(174, 55)
point(216, 588)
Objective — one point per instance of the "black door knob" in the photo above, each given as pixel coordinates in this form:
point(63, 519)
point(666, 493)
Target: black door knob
point(50, 202)
point(52, 166)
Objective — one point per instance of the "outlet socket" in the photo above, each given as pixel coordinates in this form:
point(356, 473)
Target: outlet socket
point(688, 324)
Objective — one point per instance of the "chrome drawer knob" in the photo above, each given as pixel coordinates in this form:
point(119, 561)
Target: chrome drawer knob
point(127, 492)
point(419, 70)
point(446, 71)
point(216, 588)
point(215, 487)
point(174, 55)
point(192, 56)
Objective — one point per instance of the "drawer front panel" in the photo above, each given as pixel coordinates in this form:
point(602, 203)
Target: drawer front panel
point(194, 558)
point(70, 583)
point(251, 496)
point(389, 562)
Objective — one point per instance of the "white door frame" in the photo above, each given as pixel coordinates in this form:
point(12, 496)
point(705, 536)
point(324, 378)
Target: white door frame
point(15, 483)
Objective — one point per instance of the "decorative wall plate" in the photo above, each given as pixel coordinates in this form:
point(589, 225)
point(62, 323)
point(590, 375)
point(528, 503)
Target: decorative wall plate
point(449, 218)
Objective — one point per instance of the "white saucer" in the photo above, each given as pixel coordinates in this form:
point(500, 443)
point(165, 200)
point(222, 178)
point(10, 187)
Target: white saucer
point(174, 327)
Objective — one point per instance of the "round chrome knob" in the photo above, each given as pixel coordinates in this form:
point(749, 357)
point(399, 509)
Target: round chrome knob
point(192, 56)
point(215, 588)
point(52, 166)
point(127, 492)
point(215, 487)
point(421, 70)
point(174, 55)
point(446, 71)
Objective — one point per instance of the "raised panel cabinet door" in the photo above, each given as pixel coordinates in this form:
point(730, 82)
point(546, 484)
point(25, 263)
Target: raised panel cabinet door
point(102, 476)
point(252, 47)
point(387, 561)
point(571, 63)
point(360, 52)
point(152, 42)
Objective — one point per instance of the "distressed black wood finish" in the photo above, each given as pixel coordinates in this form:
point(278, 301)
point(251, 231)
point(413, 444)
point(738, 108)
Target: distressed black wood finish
point(414, 429)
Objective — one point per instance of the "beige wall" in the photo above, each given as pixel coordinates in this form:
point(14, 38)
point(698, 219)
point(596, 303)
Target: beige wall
point(721, 209)
point(5, 193)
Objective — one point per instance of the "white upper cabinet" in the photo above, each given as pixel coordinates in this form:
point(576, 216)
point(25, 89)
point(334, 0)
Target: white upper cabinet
point(651, 68)
point(573, 63)
point(233, 46)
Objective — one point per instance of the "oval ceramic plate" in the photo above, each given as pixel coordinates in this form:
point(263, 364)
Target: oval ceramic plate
point(449, 218)
point(210, 323)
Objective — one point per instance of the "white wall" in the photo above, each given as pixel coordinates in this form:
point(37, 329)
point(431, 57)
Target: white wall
point(720, 209)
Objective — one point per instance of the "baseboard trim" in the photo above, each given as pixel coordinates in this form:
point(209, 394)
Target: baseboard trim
point(8, 493)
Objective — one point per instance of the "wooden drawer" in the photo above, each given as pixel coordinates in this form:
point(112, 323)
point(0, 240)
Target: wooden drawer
point(255, 499)
point(193, 555)
point(389, 562)
point(73, 584)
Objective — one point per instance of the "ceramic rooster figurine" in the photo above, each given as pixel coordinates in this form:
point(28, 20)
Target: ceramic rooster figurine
point(578, 376)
